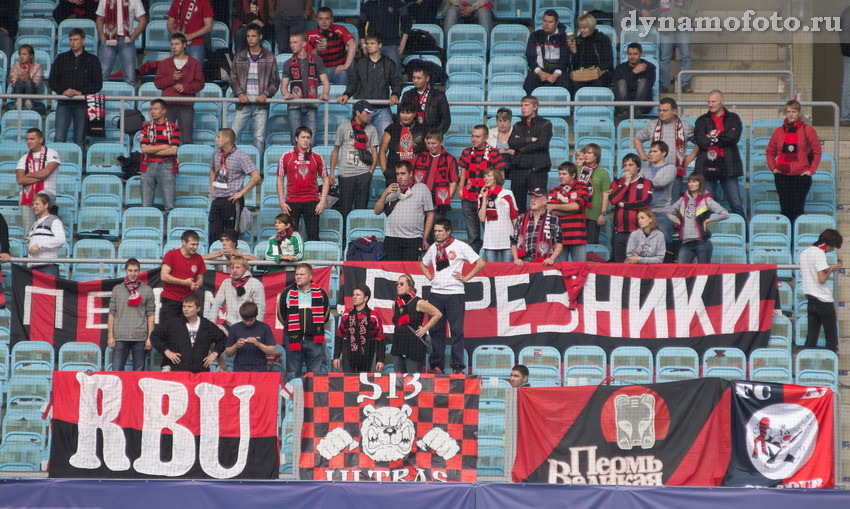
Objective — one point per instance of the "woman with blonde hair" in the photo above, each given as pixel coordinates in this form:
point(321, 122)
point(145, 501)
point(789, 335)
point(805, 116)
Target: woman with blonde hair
point(411, 329)
point(646, 244)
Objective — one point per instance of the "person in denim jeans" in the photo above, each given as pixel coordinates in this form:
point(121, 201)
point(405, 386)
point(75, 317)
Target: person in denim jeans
point(302, 74)
point(303, 310)
point(74, 73)
point(160, 141)
point(691, 214)
point(195, 25)
point(116, 37)
point(131, 316)
point(254, 79)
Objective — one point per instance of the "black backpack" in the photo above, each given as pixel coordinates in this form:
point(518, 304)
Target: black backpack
point(218, 66)
point(438, 75)
point(421, 41)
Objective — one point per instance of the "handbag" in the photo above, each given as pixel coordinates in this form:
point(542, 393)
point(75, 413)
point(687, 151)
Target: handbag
point(426, 340)
point(586, 74)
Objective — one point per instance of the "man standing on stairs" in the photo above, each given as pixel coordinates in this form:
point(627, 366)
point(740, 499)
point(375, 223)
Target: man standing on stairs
point(717, 133)
point(671, 40)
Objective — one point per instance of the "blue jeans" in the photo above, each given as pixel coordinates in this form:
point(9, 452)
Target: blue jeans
point(337, 79)
point(701, 250)
point(283, 27)
point(669, 41)
point(498, 255)
point(198, 52)
point(303, 116)
point(382, 118)
point(574, 252)
point(452, 307)
point(260, 114)
point(310, 356)
point(51, 269)
point(665, 225)
point(482, 16)
point(66, 112)
point(403, 364)
point(122, 349)
point(732, 192)
point(473, 225)
point(845, 91)
point(643, 92)
point(127, 51)
point(162, 174)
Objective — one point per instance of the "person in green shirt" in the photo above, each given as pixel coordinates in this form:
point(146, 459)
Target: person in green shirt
point(598, 180)
point(286, 245)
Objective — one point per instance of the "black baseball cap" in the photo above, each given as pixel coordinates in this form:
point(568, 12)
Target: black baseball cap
point(538, 191)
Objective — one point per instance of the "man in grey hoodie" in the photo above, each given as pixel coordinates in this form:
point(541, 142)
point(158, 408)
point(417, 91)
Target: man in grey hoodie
point(662, 175)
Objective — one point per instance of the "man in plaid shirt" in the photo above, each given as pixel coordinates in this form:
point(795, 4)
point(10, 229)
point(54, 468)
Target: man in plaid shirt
point(537, 234)
point(228, 168)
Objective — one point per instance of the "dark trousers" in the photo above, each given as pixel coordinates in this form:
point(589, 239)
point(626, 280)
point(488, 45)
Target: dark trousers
point(532, 81)
point(397, 249)
point(66, 113)
point(452, 307)
point(593, 230)
point(170, 310)
point(643, 92)
point(354, 193)
point(223, 216)
point(822, 313)
point(792, 190)
point(522, 180)
point(123, 349)
point(425, 11)
point(619, 246)
point(65, 10)
point(306, 210)
point(184, 117)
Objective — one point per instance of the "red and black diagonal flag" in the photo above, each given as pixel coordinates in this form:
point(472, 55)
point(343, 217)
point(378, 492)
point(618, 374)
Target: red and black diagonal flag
point(782, 436)
point(375, 427)
point(674, 434)
point(173, 425)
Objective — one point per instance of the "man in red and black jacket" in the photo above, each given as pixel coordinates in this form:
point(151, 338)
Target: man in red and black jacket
point(473, 162)
point(630, 194)
point(334, 44)
point(567, 202)
point(303, 310)
point(160, 141)
point(437, 169)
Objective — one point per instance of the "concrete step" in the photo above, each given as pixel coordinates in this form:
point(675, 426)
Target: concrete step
point(739, 83)
point(739, 52)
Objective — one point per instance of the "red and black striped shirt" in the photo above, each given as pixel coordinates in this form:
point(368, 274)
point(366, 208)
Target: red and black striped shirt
point(335, 52)
point(474, 163)
point(166, 133)
point(574, 224)
point(634, 197)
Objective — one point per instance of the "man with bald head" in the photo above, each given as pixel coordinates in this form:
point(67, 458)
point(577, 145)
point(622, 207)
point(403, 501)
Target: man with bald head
point(717, 133)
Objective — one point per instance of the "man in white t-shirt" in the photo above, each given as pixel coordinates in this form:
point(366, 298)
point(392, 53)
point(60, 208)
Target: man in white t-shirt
point(816, 271)
point(117, 36)
point(448, 255)
point(36, 172)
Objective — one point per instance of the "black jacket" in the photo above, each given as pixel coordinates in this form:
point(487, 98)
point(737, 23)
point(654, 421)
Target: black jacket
point(593, 50)
point(437, 114)
point(9, 17)
point(531, 154)
point(387, 18)
point(77, 72)
point(728, 141)
point(374, 80)
point(173, 335)
point(538, 39)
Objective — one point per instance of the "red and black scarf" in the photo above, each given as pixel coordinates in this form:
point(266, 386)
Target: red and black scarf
point(285, 234)
point(183, 26)
point(542, 246)
point(221, 174)
point(442, 257)
point(433, 171)
point(714, 151)
point(34, 164)
point(316, 317)
point(791, 142)
point(679, 128)
point(239, 284)
point(586, 176)
point(96, 114)
point(135, 297)
point(406, 147)
point(361, 140)
point(422, 100)
point(358, 328)
point(110, 20)
point(479, 160)
point(401, 302)
point(492, 196)
point(296, 86)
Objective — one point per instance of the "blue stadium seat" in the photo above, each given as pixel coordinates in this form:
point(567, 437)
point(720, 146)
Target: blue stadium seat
point(493, 360)
point(467, 32)
point(43, 10)
point(195, 153)
point(632, 364)
point(812, 224)
point(676, 363)
point(553, 94)
point(143, 249)
point(817, 367)
point(473, 64)
point(98, 223)
point(28, 118)
point(69, 153)
point(102, 158)
point(39, 42)
point(584, 356)
point(467, 47)
point(364, 219)
point(330, 226)
point(540, 356)
point(88, 27)
point(763, 128)
point(102, 184)
point(583, 375)
point(80, 356)
point(592, 126)
point(728, 249)
point(157, 37)
point(544, 376)
point(725, 362)
point(735, 225)
point(508, 39)
point(146, 218)
point(436, 32)
point(322, 250)
point(465, 79)
point(507, 63)
point(94, 248)
point(32, 358)
point(565, 14)
point(771, 365)
point(220, 36)
point(505, 79)
point(188, 186)
point(505, 97)
point(182, 219)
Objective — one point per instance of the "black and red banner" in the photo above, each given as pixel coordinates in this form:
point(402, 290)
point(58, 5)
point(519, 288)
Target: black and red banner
point(782, 436)
point(375, 427)
point(60, 310)
point(174, 425)
point(608, 305)
point(675, 433)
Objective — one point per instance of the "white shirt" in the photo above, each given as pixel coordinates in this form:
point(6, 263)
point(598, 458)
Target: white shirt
point(49, 240)
point(497, 234)
point(193, 330)
point(52, 157)
point(812, 261)
point(135, 10)
point(444, 282)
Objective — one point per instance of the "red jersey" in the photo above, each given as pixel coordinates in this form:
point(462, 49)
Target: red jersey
point(302, 172)
point(181, 268)
point(337, 37)
point(189, 22)
point(634, 197)
point(573, 225)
